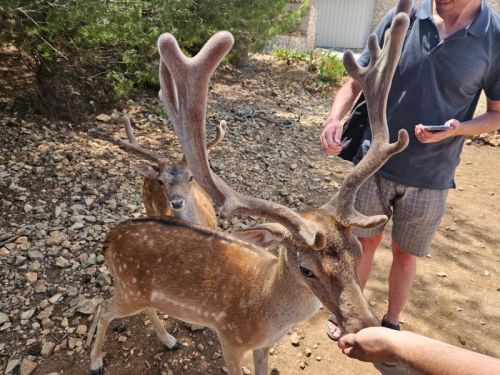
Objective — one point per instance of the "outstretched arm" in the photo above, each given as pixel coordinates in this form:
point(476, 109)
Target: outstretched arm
point(487, 122)
point(378, 344)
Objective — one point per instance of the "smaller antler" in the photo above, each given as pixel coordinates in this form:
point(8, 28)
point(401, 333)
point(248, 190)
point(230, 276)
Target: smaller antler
point(375, 80)
point(219, 136)
point(133, 146)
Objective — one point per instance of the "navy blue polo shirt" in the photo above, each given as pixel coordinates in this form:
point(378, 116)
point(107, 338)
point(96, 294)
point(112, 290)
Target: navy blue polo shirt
point(434, 82)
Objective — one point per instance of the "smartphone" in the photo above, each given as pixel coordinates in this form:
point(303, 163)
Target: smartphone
point(436, 128)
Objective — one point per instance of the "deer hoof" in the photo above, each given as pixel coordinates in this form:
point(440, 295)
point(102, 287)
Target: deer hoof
point(176, 346)
point(99, 371)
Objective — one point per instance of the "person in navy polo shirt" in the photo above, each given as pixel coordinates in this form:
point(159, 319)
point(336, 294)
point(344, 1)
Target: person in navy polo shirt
point(451, 54)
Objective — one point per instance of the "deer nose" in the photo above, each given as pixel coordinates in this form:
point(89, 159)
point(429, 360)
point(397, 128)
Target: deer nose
point(176, 202)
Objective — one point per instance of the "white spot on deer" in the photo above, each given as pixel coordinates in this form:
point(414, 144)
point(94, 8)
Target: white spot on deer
point(138, 266)
point(159, 297)
point(124, 266)
point(134, 280)
point(239, 340)
point(119, 236)
point(219, 316)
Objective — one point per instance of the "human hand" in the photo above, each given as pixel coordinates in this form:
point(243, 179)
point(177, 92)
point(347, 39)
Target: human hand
point(330, 136)
point(373, 344)
point(426, 136)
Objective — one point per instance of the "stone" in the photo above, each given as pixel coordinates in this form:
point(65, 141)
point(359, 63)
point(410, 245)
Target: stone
point(45, 313)
point(11, 366)
point(103, 117)
point(62, 262)
point(86, 306)
point(308, 352)
point(55, 240)
point(35, 255)
point(81, 329)
point(31, 277)
point(27, 314)
point(47, 348)
point(302, 365)
point(4, 252)
point(441, 274)
point(3, 318)
point(246, 371)
point(295, 339)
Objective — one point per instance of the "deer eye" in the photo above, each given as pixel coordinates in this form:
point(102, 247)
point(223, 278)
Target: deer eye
point(190, 179)
point(161, 182)
point(306, 272)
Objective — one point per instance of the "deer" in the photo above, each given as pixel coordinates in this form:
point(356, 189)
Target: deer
point(171, 190)
point(232, 283)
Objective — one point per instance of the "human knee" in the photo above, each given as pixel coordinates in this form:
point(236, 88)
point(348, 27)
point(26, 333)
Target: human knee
point(369, 244)
point(403, 257)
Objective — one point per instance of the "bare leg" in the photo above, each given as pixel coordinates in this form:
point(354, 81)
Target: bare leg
point(260, 361)
point(232, 357)
point(369, 245)
point(167, 339)
point(111, 309)
point(403, 269)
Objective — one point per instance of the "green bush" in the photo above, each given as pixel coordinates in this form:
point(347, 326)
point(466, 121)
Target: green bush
point(109, 46)
point(327, 65)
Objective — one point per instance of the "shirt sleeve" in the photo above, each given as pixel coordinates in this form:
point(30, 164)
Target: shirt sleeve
point(379, 31)
point(491, 84)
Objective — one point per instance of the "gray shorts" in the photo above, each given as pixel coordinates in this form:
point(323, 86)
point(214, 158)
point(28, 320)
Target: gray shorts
point(416, 212)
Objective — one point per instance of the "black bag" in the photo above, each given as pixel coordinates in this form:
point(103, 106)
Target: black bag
point(353, 129)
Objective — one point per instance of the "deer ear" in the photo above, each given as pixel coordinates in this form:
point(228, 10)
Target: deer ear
point(264, 235)
point(146, 170)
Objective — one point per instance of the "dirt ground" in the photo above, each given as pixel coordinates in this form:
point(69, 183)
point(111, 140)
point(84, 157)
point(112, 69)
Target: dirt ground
point(457, 290)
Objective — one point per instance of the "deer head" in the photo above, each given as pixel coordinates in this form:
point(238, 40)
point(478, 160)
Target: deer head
point(319, 241)
point(164, 182)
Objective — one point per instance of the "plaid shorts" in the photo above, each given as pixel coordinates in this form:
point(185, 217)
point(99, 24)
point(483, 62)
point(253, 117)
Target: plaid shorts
point(416, 213)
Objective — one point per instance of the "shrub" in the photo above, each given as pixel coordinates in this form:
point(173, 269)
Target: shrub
point(327, 65)
point(109, 46)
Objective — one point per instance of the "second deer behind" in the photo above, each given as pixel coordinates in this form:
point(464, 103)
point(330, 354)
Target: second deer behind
point(170, 190)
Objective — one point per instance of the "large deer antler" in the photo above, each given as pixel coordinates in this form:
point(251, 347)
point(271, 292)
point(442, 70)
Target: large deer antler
point(375, 80)
point(184, 91)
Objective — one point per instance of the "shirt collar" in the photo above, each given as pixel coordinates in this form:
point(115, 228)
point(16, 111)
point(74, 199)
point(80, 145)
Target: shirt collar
point(478, 27)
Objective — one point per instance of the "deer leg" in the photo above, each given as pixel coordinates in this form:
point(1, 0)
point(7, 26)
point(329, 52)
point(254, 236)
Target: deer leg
point(260, 361)
point(232, 357)
point(167, 339)
point(110, 309)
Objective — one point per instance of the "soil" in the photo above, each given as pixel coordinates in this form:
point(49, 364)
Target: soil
point(272, 152)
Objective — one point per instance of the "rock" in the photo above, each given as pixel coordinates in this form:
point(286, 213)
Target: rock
point(122, 338)
point(200, 347)
point(12, 365)
point(4, 252)
point(3, 318)
point(81, 329)
point(441, 274)
point(295, 339)
point(35, 255)
point(195, 327)
point(31, 277)
point(308, 352)
point(86, 306)
point(302, 365)
point(103, 117)
point(246, 371)
point(47, 348)
point(55, 240)
point(45, 313)
point(318, 358)
point(62, 262)
point(25, 315)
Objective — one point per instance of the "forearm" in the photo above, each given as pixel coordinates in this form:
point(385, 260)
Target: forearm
point(344, 100)
point(434, 357)
point(487, 122)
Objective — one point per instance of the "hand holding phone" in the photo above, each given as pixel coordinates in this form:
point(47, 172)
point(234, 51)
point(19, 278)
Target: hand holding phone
point(436, 128)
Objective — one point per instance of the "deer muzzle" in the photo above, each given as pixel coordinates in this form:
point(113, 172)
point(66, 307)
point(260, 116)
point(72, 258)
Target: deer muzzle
point(177, 202)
